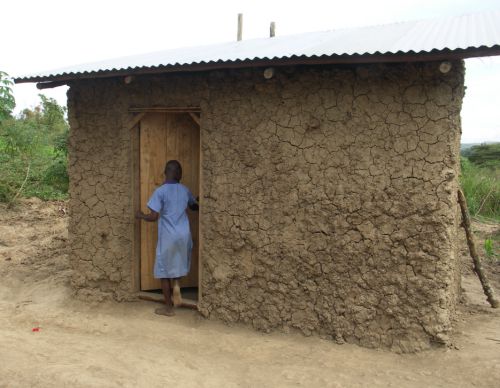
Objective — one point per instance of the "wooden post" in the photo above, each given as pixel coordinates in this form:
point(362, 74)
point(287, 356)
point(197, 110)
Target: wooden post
point(240, 27)
point(135, 120)
point(195, 118)
point(478, 269)
point(272, 30)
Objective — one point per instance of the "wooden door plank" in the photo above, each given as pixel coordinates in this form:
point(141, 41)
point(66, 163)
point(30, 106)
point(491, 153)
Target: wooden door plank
point(151, 172)
point(190, 155)
point(180, 131)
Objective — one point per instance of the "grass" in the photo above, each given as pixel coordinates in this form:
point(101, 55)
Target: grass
point(480, 181)
point(481, 186)
point(491, 246)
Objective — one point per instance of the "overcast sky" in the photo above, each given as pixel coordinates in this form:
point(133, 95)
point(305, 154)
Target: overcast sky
point(40, 35)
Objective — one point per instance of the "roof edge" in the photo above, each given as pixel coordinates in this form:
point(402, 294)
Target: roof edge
point(435, 55)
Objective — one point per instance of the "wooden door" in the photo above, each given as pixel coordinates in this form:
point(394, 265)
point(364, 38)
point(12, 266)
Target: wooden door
point(166, 136)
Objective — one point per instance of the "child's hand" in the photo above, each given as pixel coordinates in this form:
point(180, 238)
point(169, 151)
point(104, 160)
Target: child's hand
point(151, 217)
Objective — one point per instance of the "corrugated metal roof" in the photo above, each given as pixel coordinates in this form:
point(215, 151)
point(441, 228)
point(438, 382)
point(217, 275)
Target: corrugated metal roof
point(452, 34)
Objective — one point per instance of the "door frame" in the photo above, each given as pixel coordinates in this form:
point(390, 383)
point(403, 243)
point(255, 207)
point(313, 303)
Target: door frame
point(133, 126)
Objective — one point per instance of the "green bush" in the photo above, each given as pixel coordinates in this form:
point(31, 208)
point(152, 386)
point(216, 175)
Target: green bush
point(56, 175)
point(33, 153)
point(7, 190)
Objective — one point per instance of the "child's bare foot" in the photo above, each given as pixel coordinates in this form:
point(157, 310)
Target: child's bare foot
point(166, 310)
point(176, 295)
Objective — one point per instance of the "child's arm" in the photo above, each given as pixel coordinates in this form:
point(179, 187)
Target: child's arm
point(151, 217)
point(155, 204)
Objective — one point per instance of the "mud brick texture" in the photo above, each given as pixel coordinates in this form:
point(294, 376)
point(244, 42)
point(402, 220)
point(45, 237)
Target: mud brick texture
point(328, 196)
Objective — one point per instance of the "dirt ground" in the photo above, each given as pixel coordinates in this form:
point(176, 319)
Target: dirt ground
point(126, 345)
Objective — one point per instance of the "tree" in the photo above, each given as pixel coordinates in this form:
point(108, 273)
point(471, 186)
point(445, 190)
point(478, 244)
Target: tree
point(53, 116)
point(7, 101)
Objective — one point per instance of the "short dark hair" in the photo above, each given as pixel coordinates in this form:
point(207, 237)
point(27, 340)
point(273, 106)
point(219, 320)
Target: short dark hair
point(173, 170)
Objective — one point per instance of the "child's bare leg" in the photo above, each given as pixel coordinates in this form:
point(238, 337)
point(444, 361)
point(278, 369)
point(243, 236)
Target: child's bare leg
point(168, 309)
point(177, 298)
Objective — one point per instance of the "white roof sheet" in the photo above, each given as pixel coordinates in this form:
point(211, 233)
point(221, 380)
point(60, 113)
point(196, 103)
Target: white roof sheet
point(481, 30)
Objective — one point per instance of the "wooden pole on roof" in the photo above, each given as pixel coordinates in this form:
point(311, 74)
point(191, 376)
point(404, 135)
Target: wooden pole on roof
point(240, 27)
point(272, 30)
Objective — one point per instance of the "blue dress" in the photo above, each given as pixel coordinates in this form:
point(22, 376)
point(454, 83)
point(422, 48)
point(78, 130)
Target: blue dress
point(173, 250)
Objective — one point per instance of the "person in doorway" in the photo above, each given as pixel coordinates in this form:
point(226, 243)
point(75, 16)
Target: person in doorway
point(168, 204)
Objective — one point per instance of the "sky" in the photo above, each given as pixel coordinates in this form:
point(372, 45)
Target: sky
point(49, 34)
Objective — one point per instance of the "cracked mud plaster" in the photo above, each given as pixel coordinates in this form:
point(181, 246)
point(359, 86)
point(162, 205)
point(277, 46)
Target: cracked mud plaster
point(329, 196)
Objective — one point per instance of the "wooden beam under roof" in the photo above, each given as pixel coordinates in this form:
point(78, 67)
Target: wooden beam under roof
point(165, 109)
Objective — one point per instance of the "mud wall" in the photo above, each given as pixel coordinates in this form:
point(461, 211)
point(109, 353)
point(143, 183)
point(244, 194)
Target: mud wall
point(101, 153)
point(329, 196)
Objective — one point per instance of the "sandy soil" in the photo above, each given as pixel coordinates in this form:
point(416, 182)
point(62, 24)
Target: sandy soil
point(126, 345)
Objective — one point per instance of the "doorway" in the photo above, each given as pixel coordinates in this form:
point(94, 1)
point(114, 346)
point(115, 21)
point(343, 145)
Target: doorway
point(164, 136)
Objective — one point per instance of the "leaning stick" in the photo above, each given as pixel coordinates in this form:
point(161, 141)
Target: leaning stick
point(478, 269)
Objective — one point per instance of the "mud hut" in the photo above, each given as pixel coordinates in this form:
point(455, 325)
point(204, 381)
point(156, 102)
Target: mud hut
point(326, 164)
